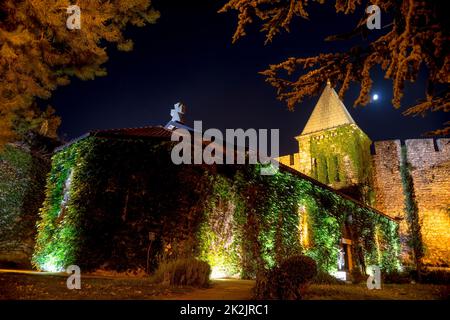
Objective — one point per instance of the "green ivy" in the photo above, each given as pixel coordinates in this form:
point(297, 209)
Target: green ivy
point(412, 212)
point(230, 216)
point(22, 180)
point(219, 231)
point(329, 149)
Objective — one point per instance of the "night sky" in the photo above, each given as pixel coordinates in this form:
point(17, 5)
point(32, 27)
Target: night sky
point(188, 56)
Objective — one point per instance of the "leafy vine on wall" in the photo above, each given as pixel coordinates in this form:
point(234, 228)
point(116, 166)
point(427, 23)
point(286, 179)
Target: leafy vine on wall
point(412, 211)
point(230, 216)
point(341, 155)
point(22, 179)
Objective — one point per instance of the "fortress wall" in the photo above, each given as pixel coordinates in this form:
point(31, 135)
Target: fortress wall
point(430, 169)
point(388, 187)
point(387, 179)
point(304, 155)
point(291, 161)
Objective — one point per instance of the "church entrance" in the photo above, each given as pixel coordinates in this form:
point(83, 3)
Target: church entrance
point(344, 260)
point(345, 255)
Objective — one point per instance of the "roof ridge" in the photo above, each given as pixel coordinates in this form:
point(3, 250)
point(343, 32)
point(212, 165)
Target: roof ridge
point(329, 112)
point(129, 128)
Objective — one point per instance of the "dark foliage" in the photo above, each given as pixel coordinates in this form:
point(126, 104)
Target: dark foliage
point(357, 276)
point(22, 183)
point(435, 277)
point(288, 281)
point(396, 277)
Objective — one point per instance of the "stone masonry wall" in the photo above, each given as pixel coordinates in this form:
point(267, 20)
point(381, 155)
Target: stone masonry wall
point(388, 187)
point(430, 170)
point(431, 178)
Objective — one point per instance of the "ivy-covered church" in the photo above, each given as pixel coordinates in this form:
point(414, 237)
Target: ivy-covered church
point(115, 201)
point(409, 180)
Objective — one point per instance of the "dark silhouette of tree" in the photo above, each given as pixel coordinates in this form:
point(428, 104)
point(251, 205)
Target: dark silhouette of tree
point(417, 36)
point(38, 52)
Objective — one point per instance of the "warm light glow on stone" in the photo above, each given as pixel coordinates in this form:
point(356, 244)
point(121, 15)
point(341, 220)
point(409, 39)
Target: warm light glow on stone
point(377, 242)
point(304, 234)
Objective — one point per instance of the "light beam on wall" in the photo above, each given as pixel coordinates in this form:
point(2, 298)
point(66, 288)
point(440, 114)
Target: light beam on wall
point(50, 265)
point(304, 234)
point(341, 275)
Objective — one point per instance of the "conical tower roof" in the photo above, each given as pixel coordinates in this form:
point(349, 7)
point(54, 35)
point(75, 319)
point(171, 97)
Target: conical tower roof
point(328, 113)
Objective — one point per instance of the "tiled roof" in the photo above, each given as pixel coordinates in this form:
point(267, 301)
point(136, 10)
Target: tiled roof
point(142, 132)
point(152, 132)
point(328, 113)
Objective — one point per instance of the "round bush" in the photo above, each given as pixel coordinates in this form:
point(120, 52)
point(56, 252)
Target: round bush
point(298, 269)
point(288, 281)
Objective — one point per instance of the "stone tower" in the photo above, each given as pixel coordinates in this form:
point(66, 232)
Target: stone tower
point(333, 149)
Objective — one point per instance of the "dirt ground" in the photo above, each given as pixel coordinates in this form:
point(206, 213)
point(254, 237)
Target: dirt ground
point(53, 287)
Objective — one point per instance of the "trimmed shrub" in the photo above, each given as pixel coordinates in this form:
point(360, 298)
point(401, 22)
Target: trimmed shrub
point(183, 272)
point(298, 269)
point(267, 285)
point(288, 281)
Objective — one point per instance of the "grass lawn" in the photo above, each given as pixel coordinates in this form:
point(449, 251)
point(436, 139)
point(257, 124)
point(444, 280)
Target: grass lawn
point(50, 287)
point(53, 287)
point(387, 292)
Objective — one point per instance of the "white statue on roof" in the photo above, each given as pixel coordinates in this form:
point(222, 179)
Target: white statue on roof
point(177, 113)
point(177, 117)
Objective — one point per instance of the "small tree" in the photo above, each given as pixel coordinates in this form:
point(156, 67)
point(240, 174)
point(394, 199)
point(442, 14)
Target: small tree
point(38, 52)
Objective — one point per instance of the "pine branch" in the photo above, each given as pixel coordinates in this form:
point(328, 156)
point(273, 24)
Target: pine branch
point(418, 36)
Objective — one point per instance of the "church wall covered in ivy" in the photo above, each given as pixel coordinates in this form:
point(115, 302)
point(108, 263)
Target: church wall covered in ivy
point(115, 201)
point(407, 181)
point(22, 181)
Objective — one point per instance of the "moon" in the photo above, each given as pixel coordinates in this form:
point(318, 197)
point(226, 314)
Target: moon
point(375, 97)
